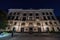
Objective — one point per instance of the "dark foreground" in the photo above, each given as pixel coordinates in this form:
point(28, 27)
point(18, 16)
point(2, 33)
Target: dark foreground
point(34, 36)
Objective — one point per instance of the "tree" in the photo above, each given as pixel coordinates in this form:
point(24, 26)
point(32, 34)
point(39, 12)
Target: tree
point(3, 19)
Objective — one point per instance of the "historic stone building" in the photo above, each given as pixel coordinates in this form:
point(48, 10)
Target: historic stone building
point(32, 20)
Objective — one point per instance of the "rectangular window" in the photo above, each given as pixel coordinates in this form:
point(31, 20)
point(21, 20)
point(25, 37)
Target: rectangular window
point(23, 24)
point(30, 18)
point(15, 23)
point(13, 17)
point(37, 14)
point(24, 19)
point(16, 18)
point(46, 23)
point(48, 17)
point(50, 13)
point(44, 17)
point(47, 13)
point(10, 13)
point(24, 14)
point(38, 24)
point(30, 14)
point(55, 22)
point(52, 18)
point(37, 17)
point(14, 13)
point(43, 13)
point(18, 13)
point(50, 23)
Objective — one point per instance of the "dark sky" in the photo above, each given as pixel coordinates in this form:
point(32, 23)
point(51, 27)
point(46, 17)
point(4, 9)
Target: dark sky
point(35, 4)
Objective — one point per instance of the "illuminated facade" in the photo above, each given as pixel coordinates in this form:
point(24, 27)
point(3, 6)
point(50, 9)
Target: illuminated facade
point(32, 20)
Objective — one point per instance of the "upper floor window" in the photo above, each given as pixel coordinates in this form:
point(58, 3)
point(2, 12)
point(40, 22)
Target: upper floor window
point(48, 17)
point(30, 18)
point(14, 13)
point(10, 13)
point(37, 17)
point(46, 23)
point(47, 13)
point(15, 23)
point(30, 23)
point(30, 14)
point(37, 14)
point(55, 22)
point(13, 17)
point(24, 14)
point(23, 24)
point(43, 13)
point(44, 17)
point(38, 24)
point(18, 13)
point(16, 18)
point(50, 13)
point(53, 17)
point(24, 19)
point(50, 23)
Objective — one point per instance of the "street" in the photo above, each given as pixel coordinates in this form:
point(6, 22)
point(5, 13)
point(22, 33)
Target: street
point(35, 36)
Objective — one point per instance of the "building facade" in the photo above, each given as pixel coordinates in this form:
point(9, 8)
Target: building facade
point(32, 20)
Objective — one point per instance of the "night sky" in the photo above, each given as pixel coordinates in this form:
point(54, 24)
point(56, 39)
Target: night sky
point(34, 4)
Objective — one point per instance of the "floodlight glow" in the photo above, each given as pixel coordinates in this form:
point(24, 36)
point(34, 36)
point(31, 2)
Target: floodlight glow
point(4, 35)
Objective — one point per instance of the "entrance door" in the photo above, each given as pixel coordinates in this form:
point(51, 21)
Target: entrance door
point(22, 29)
point(39, 29)
point(30, 29)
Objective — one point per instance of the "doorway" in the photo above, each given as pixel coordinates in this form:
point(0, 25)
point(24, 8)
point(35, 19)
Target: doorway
point(30, 29)
point(22, 29)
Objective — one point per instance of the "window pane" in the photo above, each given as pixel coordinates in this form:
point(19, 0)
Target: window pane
point(30, 23)
point(12, 17)
point(30, 18)
point(18, 13)
point(30, 14)
point(15, 23)
point(47, 13)
point(48, 17)
point(44, 17)
point(10, 13)
point(24, 14)
point(37, 17)
point(50, 22)
point(43, 13)
point(24, 19)
point(50, 13)
point(55, 23)
point(16, 18)
point(23, 24)
point(38, 24)
point(53, 18)
point(14, 13)
point(37, 14)
point(46, 23)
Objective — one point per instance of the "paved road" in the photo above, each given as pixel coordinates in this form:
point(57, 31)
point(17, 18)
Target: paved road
point(36, 36)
